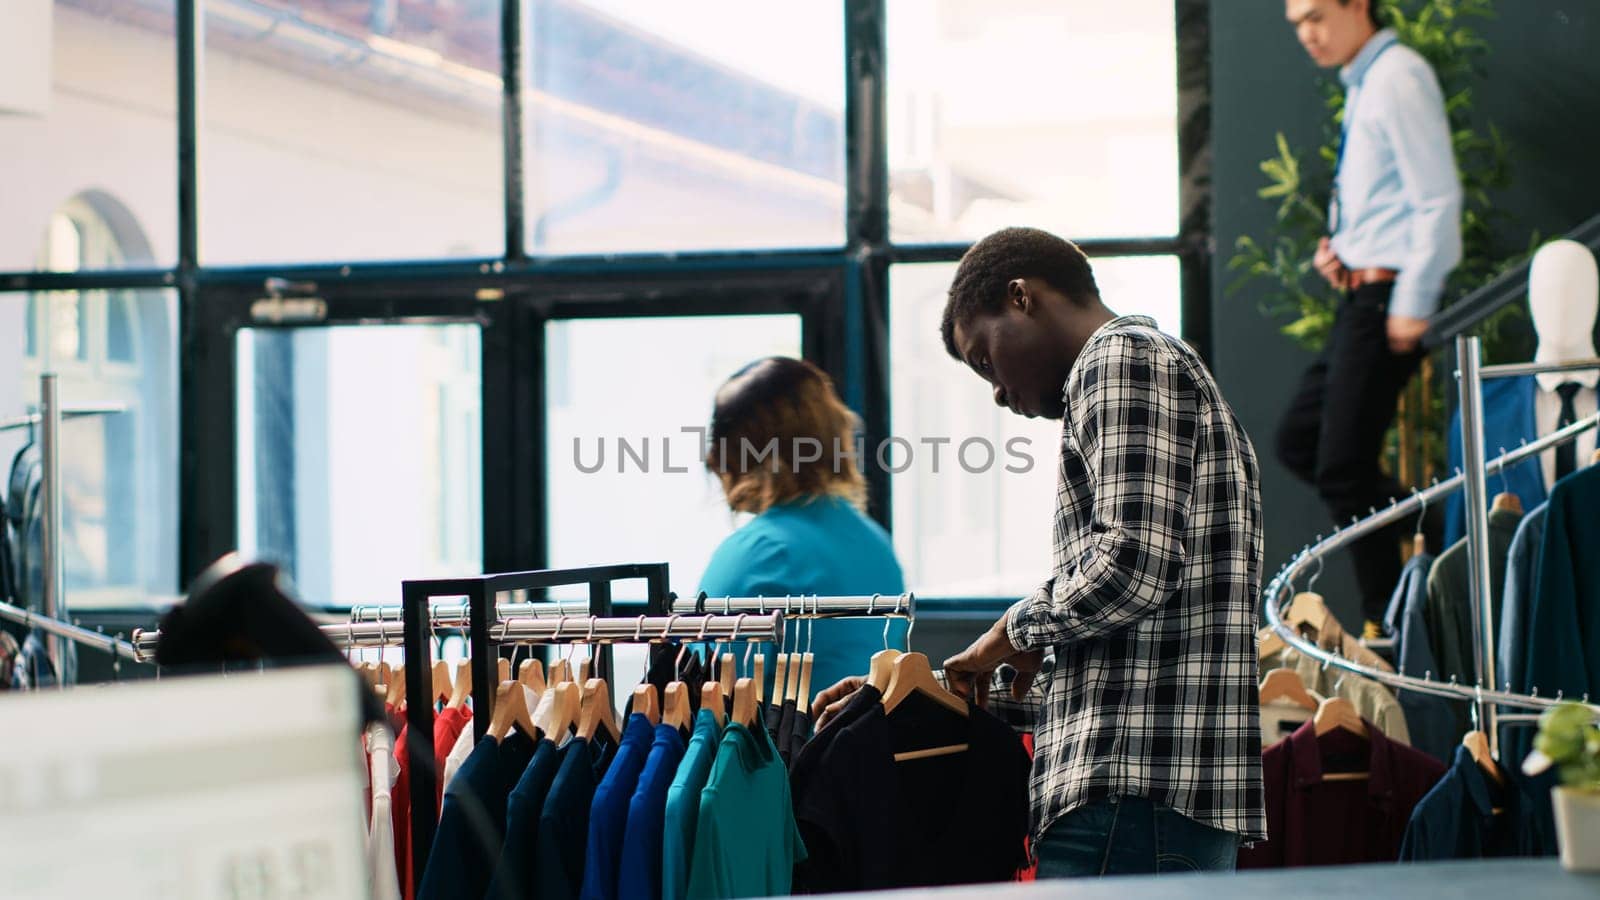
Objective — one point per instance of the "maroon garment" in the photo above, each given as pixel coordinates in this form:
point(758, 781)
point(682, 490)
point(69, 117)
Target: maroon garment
point(1311, 822)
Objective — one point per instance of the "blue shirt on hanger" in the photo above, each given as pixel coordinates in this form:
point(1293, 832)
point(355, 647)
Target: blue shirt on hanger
point(1509, 421)
point(608, 814)
point(641, 840)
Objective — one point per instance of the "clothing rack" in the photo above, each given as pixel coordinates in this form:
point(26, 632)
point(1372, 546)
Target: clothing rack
point(52, 559)
point(98, 640)
point(1280, 591)
point(481, 592)
point(456, 615)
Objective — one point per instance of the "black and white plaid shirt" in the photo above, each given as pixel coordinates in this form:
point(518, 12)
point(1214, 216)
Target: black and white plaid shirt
point(1151, 612)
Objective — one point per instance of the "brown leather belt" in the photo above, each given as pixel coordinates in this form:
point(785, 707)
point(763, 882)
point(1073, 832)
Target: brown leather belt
point(1361, 277)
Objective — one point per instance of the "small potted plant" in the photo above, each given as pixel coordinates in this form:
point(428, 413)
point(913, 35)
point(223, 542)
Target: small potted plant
point(1569, 740)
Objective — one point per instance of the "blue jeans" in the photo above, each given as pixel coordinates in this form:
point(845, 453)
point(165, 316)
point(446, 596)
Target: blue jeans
point(1132, 836)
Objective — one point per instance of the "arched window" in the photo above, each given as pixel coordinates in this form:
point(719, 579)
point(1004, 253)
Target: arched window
point(109, 346)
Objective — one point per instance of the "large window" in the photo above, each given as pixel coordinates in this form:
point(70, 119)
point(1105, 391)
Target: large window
point(626, 477)
point(349, 131)
point(359, 457)
point(1060, 114)
point(677, 126)
point(506, 302)
point(88, 103)
point(974, 485)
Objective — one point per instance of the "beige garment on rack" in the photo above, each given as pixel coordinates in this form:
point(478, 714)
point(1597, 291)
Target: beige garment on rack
point(1375, 702)
point(1282, 716)
point(1332, 637)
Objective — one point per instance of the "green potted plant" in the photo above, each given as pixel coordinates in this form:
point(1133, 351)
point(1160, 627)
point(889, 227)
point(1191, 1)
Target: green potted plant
point(1569, 740)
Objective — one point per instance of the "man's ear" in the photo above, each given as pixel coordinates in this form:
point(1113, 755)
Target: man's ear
point(1019, 295)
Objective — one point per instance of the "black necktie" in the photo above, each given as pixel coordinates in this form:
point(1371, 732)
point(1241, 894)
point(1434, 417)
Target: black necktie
point(1567, 454)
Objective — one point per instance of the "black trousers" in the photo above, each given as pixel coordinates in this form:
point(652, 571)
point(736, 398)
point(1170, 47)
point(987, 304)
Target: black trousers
point(1332, 434)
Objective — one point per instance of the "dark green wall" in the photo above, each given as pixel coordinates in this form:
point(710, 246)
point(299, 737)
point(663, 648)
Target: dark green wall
point(1542, 88)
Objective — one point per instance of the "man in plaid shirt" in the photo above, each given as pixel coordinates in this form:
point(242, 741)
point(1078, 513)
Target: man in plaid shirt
point(1147, 747)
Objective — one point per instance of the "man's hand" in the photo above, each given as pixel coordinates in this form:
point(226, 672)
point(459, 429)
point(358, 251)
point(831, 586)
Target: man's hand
point(832, 700)
point(1328, 265)
point(1405, 333)
point(970, 671)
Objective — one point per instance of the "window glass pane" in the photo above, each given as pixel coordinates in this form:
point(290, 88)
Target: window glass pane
point(119, 472)
point(1060, 115)
point(77, 79)
point(974, 504)
point(350, 131)
point(121, 318)
point(677, 126)
point(651, 500)
point(360, 456)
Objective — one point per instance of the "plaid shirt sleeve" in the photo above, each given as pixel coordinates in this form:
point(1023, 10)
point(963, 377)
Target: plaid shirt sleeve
point(1133, 415)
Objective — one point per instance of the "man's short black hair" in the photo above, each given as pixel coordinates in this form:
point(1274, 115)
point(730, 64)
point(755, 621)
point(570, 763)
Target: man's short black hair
point(986, 269)
point(1374, 13)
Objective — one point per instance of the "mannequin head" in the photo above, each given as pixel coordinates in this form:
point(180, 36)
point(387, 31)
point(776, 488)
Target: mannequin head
point(1564, 295)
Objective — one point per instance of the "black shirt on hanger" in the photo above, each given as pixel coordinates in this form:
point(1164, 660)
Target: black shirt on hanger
point(874, 823)
point(806, 762)
point(513, 876)
point(472, 824)
point(564, 821)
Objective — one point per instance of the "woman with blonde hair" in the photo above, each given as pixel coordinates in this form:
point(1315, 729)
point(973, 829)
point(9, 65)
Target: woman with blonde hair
point(784, 447)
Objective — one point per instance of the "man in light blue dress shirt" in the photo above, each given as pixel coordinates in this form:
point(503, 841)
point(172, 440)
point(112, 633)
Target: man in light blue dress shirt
point(1394, 236)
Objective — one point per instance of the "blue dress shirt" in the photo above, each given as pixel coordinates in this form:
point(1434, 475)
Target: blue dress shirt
point(1398, 193)
point(1509, 422)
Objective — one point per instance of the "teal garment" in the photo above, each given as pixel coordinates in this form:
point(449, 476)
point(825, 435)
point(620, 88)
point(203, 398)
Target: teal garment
point(683, 806)
point(822, 546)
point(745, 840)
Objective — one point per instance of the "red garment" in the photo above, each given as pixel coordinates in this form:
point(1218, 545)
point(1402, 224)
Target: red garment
point(1312, 822)
point(1031, 872)
point(447, 727)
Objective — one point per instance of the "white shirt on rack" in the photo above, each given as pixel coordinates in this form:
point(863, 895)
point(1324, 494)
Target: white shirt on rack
point(458, 754)
point(380, 837)
point(1547, 410)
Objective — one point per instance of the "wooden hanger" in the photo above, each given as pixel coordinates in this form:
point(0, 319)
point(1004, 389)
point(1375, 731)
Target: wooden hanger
point(441, 680)
point(1594, 458)
point(911, 674)
point(502, 669)
point(1337, 712)
point(791, 687)
point(645, 701)
point(780, 679)
point(744, 703)
point(1284, 684)
point(676, 709)
point(711, 697)
point(1505, 501)
point(727, 674)
point(758, 674)
point(1478, 745)
point(804, 700)
point(369, 672)
point(560, 671)
point(881, 668)
point(560, 711)
point(463, 685)
point(397, 686)
point(595, 711)
point(584, 666)
point(1419, 544)
point(531, 673)
point(511, 708)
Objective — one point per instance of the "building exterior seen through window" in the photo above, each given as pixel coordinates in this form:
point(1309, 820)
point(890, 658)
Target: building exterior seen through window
point(358, 132)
